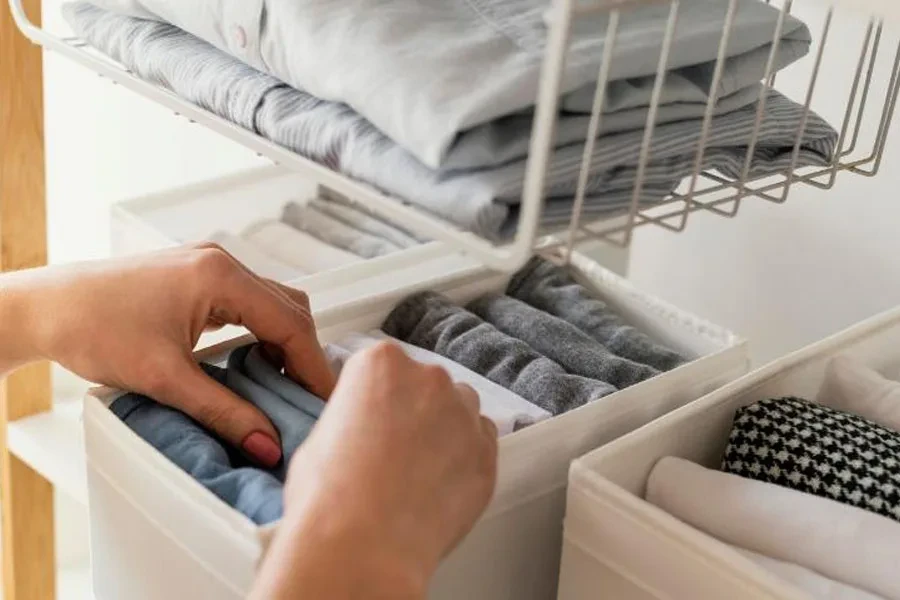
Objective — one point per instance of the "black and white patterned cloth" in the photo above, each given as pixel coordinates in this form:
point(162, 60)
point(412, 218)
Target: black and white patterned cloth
point(818, 450)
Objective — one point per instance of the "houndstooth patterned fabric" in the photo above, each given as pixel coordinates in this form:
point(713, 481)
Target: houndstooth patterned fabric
point(818, 450)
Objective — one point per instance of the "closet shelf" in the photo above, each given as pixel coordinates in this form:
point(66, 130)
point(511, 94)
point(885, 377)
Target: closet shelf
point(52, 443)
point(865, 111)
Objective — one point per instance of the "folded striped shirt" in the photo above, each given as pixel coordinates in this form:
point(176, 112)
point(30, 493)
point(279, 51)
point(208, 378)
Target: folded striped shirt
point(429, 72)
point(481, 199)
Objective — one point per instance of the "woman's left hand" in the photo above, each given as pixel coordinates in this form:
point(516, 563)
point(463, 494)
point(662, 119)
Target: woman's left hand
point(133, 324)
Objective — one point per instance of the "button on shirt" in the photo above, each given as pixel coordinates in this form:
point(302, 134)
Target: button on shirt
point(232, 25)
point(408, 67)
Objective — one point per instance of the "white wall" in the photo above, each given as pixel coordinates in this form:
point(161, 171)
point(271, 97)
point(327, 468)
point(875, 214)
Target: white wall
point(787, 275)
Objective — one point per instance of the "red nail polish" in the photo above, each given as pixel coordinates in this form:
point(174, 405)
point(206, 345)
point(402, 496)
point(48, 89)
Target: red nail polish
point(262, 448)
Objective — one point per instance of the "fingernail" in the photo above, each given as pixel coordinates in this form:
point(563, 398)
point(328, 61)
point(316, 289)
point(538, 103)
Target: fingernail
point(262, 448)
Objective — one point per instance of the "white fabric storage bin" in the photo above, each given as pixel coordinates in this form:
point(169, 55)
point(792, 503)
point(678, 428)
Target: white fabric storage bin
point(158, 534)
point(618, 546)
point(193, 212)
point(222, 210)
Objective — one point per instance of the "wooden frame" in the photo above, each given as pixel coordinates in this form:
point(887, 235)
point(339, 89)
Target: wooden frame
point(26, 498)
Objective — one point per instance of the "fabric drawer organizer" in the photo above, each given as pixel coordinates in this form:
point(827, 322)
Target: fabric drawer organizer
point(157, 533)
point(835, 464)
point(276, 223)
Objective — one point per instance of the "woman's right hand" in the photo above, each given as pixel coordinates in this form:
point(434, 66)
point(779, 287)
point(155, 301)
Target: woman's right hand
point(394, 475)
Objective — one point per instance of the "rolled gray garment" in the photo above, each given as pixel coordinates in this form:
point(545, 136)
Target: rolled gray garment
point(550, 288)
point(431, 321)
point(335, 232)
point(561, 342)
point(365, 221)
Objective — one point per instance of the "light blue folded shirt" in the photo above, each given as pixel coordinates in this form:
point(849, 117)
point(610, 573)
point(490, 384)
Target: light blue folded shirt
point(255, 492)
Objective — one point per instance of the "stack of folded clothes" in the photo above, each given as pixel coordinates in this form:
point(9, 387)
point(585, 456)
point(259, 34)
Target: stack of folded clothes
point(809, 491)
point(544, 346)
point(321, 234)
point(432, 102)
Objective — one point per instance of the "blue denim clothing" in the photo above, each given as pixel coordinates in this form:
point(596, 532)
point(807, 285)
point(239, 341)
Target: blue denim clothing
point(254, 492)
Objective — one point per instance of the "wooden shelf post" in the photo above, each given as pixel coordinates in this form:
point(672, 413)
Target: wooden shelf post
point(26, 498)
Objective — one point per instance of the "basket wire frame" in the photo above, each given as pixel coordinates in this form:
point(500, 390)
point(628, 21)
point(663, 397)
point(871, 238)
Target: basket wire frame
point(705, 190)
point(721, 195)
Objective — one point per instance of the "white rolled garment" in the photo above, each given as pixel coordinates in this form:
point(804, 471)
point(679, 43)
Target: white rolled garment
point(297, 248)
point(817, 586)
point(255, 259)
point(336, 356)
point(853, 387)
point(507, 410)
point(323, 225)
point(841, 542)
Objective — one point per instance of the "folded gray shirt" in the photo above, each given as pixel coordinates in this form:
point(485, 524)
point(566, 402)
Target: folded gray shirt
point(550, 288)
point(432, 322)
point(479, 186)
point(559, 341)
point(425, 72)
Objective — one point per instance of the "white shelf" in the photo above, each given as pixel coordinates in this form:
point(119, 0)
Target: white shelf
point(52, 443)
point(74, 583)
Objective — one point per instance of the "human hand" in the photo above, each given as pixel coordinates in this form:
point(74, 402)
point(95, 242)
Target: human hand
point(397, 470)
point(133, 324)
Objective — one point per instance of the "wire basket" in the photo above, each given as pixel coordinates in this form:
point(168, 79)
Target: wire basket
point(862, 115)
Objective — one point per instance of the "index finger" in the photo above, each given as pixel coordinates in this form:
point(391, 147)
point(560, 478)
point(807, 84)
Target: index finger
point(273, 317)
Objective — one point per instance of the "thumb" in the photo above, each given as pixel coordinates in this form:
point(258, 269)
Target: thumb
point(232, 418)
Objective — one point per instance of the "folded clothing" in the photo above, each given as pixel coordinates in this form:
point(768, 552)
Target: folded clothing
point(480, 188)
point(508, 411)
point(855, 388)
point(815, 449)
point(255, 259)
point(292, 409)
point(357, 217)
point(213, 463)
point(254, 492)
point(431, 321)
point(408, 68)
point(297, 247)
point(816, 585)
point(550, 288)
point(322, 225)
point(838, 541)
point(559, 341)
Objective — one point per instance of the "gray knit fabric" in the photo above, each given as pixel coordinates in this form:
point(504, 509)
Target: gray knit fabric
point(485, 198)
point(431, 321)
point(550, 288)
point(335, 232)
point(559, 341)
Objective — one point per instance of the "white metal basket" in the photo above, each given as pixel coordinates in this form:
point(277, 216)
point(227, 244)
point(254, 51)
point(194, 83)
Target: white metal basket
point(868, 109)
